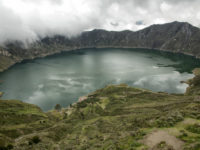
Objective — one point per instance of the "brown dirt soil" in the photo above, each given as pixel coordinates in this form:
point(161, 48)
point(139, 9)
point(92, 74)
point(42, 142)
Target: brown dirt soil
point(158, 136)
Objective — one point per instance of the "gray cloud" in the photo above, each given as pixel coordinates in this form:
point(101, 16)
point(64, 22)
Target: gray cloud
point(26, 20)
point(12, 27)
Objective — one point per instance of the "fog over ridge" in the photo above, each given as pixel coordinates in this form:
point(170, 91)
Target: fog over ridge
point(27, 20)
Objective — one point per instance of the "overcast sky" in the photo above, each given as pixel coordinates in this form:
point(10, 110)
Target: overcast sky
point(27, 20)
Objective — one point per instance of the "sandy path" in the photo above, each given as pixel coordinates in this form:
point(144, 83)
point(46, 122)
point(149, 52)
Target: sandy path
point(157, 136)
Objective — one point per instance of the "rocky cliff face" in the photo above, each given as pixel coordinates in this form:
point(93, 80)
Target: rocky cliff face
point(174, 37)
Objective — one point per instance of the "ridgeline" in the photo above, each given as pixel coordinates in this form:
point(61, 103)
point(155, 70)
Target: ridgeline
point(176, 37)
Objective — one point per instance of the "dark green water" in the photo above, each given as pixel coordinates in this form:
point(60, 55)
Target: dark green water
point(63, 78)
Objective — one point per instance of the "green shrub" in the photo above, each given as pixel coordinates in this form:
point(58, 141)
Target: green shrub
point(194, 128)
point(163, 146)
point(58, 107)
point(10, 146)
point(169, 120)
point(195, 146)
point(34, 140)
point(135, 144)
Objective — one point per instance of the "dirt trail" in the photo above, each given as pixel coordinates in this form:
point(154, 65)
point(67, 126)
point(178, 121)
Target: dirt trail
point(157, 136)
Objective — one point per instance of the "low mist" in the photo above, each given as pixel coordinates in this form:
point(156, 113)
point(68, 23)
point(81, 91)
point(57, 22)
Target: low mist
point(28, 20)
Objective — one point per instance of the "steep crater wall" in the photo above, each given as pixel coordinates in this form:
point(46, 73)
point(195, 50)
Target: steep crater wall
point(177, 37)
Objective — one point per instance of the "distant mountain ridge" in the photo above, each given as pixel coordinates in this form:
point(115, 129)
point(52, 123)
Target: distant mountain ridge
point(178, 37)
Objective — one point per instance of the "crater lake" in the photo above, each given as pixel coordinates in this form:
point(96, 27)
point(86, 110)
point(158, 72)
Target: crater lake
point(63, 78)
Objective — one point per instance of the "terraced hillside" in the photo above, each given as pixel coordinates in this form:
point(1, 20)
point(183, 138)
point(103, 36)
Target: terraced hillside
point(115, 117)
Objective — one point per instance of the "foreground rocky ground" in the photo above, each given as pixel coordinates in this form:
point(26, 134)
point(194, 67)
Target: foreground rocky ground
point(115, 117)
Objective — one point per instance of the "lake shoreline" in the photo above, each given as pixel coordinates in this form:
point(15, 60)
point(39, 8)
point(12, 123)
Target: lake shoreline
point(18, 61)
point(73, 74)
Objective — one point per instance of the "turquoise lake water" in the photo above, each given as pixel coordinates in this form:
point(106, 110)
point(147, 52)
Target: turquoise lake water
point(63, 78)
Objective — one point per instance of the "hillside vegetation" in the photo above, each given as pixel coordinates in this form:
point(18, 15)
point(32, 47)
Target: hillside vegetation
point(117, 117)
